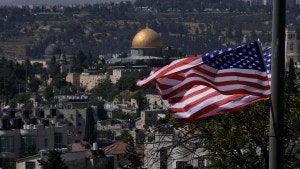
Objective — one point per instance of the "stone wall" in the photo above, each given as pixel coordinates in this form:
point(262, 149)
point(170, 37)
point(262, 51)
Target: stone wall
point(85, 80)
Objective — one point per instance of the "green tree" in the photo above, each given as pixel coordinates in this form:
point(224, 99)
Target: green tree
point(291, 78)
point(54, 161)
point(28, 105)
point(59, 82)
point(54, 68)
point(132, 156)
point(29, 150)
point(240, 139)
point(90, 123)
point(34, 85)
point(80, 62)
point(88, 60)
point(106, 90)
point(22, 97)
point(13, 103)
point(126, 83)
point(11, 77)
point(130, 153)
point(101, 112)
point(48, 93)
point(141, 100)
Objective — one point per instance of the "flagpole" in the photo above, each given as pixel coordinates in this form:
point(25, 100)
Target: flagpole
point(276, 151)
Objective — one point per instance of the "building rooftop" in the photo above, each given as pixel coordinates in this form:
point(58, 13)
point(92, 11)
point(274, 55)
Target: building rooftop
point(117, 148)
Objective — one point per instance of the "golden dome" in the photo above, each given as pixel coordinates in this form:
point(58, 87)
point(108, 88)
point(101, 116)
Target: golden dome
point(146, 38)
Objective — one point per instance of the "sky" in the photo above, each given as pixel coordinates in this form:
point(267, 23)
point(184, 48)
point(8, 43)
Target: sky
point(54, 2)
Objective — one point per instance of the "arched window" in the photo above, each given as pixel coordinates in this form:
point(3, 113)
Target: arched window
point(292, 46)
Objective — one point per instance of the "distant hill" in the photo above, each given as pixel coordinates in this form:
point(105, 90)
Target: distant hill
point(54, 2)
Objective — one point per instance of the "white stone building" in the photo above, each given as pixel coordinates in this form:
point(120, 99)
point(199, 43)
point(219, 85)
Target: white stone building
point(156, 102)
point(149, 118)
point(164, 152)
point(293, 47)
point(24, 133)
point(15, 143)
point(74, 159)
point(85, 80)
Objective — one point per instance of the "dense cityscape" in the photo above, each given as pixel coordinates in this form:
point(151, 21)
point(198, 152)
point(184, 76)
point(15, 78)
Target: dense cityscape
point(69, 95)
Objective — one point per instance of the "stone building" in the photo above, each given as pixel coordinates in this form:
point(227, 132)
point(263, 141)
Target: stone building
point(156, 102)
point(89, 81)
point(258, 2)
point(293, 47)
point(25, 132)
point(74, 119)
point(164, 151)
point(20, 136)
point(74, 158)
point(85, 80)
point(118, 73)
point(149, 118)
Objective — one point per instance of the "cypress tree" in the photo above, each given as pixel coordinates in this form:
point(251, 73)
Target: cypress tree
point(291, 77)
point(54, 161)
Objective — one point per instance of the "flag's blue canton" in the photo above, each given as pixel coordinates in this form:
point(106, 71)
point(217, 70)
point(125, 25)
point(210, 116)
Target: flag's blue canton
point(267, 55)
point(242, 57)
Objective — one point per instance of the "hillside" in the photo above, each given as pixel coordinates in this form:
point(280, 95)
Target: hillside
point(193, 27)
point(53, 2)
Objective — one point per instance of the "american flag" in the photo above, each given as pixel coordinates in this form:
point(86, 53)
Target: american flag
point(267, 56)
point(221, 81)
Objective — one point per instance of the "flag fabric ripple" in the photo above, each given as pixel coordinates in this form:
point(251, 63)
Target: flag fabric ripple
point(217, 82)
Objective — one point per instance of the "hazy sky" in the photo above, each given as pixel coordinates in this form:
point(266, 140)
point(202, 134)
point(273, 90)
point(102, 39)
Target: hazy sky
point(53, 2)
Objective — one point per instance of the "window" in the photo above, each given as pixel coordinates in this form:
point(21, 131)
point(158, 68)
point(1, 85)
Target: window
point(141, 52)
point(61, 116)
point(291, 46)
point(163, 158)
point(201, 162)
point(7, 144)
point(58, 140)
point(29, 165)
point(45, 142)
point(28, 144)
point(7, 163)
point(181, 164)
point(291, 36)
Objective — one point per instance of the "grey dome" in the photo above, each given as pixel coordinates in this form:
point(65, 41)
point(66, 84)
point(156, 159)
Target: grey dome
point(52, 49)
